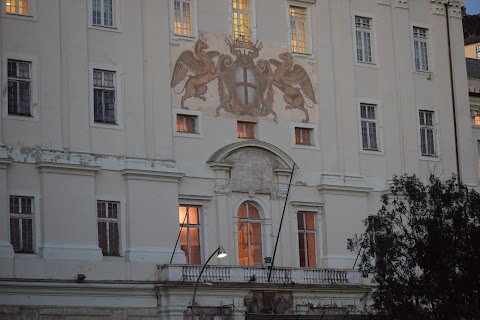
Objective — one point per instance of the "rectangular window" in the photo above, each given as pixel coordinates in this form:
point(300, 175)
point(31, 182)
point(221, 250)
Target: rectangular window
point(20, 7)
point(246, 130)
point(298, 33)
point(420, 36)
point(363, 35)
point(241, 20)
point(427, 133)
point(19, 87)
point(186, 123)
point(104, 96)
point(369, 127)
point(188, 217)
point(182, 22)
point(108, 213)
point(477, 48)
point(22, 224)
point(102, 13)
point(476, 120)
point(306, 239)
point(303, 136)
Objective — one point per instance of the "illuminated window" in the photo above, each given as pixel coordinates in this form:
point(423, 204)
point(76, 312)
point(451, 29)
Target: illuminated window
point(20, 7)
point(420, 47)
point(363, 39)
point(104, 96)
point(182, 22)
point(186, 123)
point(241, 20)
point(427, 133)
point(369, 126)
point(476, 120)
point(477, 48)
point(108, 214)
point(22, 224)
point(249, 235)
point(246, 130)
point(306, 239)
point(298, 31)
point(303, 136)
point(190, 233)
point(103, 13)
point(19, 88)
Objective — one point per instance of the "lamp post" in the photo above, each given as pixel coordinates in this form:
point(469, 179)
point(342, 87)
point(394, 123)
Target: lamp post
point(221, 253)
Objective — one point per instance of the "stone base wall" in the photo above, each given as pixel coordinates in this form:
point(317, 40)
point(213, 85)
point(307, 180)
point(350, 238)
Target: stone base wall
point(77, 313)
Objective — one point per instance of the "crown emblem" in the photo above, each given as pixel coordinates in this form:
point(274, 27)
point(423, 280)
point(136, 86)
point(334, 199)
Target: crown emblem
point(240, 46)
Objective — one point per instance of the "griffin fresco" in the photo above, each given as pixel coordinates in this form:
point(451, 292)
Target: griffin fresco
point(245, 87)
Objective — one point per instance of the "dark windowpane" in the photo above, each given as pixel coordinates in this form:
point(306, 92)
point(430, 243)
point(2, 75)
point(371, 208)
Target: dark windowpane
point(300, 222)
point(102, 236)
point(15, 233)
point(113, 244)
point(27, 235)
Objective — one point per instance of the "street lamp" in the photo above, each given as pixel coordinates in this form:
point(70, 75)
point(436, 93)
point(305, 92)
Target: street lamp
point(221, 253)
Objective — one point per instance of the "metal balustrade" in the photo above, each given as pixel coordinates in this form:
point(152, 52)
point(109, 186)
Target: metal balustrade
point(245, 274)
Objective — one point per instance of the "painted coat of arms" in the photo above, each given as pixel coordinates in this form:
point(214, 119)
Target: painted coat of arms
point(245, 86)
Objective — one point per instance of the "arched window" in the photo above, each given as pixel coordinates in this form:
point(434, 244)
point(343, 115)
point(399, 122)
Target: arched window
point(249, 235)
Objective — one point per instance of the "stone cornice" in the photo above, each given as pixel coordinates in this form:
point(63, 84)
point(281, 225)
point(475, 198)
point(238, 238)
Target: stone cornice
point(71, 169)
point(145, 175)
point(454, 7)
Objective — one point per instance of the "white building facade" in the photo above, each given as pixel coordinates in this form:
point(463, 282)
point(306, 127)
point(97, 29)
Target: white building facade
point(136, 137)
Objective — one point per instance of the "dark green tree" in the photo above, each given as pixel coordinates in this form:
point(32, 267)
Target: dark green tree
point(422, 250)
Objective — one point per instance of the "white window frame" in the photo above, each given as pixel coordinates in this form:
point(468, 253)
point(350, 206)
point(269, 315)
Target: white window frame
point(251, 18)
point(434, 127)
point(379, 121)
point(34, 109)
point(430, 53)
point(198, 226)
point(373, 39)
point(116, 17)
point(199, 123)
point(32, 11)
point(255, 131)
point(307, 5)
point(313, 137)
point(193, 21)
point(417, 38)
point(122, 225)
point(111, 220)
point(36, 221)
point(320, 239)
point(118, 103)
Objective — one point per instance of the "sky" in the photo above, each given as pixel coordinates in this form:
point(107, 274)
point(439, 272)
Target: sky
point(473, 6)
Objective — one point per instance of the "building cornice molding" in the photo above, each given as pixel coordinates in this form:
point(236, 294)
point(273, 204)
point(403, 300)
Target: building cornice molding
point(70, 169)
point(454, 7)
point(158, 176)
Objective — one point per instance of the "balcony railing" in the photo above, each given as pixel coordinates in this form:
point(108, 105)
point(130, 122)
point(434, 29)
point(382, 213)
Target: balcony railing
point(189, 273)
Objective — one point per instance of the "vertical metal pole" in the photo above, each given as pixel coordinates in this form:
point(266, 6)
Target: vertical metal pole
point(281, 222)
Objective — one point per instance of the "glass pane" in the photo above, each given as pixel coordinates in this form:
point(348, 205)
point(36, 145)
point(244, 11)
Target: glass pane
point(243, 248)
point(113, 239)
point(256, 255)
point(193, 215)
point(242, 211)
point(252, 212)
point(256, 233)
point(101, 209)
point(310, 218)
point(102, 236)
point(15, 233)
point(182, 214)
point(300, 221)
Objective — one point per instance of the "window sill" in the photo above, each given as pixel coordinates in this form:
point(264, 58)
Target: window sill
point(19, 16)
point(20, 118)
point(179, 38)
point(371, 65)
point(305, 146)
point(423, 73)
point(430, 158)
point(309, 57)
point(105, 28)
point(372, 152)
point(188, 135)
point(102, 125)
point(19, 255)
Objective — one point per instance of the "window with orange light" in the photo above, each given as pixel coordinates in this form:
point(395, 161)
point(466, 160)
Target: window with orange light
point(476, 120)
point(188, 217)
point(246, 130)
point(306, 239)
point(186, 123)
point(249, 235)
point(20, 7)
point(182, 17)
point(298, 29)
point(241, 20)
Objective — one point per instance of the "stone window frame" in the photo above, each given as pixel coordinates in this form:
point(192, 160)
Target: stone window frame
point(430, 47)
point(199, 123)
point(379, 121)
point(116, 18)
point(34, 108)
point(313, 137)
point(109, 220)
point(32, 11)
point(308, 6)
point(252, 21)
point(320, 240)
point(436, 135)
point(373, 39)
point(193, 20)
